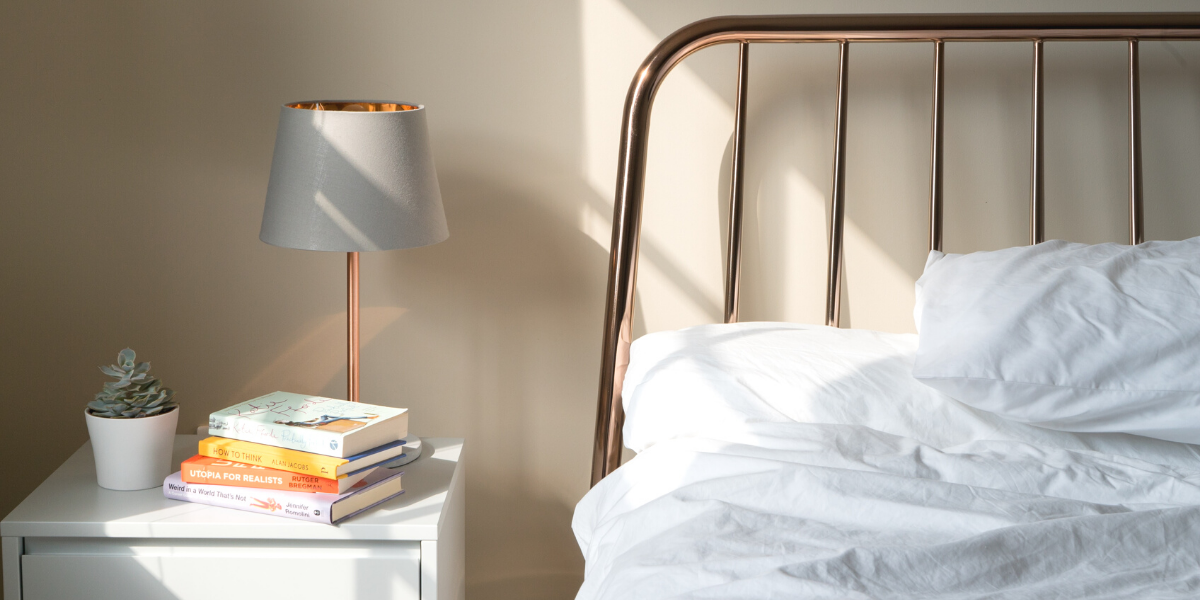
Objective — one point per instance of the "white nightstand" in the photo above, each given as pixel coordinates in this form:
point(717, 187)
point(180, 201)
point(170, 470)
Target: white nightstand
point(73, 539)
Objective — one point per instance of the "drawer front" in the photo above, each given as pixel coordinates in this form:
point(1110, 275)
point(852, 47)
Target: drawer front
point(101, 569)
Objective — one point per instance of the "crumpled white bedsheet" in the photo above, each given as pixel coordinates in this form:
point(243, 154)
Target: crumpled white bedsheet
point(801, 510)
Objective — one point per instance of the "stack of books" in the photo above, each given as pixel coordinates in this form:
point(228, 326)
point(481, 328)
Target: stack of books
point(292, 455)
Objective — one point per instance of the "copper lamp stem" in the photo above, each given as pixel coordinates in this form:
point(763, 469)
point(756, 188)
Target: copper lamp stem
point(352, 326)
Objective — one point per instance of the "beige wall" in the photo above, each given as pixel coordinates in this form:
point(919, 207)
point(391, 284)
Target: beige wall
point(135, 142)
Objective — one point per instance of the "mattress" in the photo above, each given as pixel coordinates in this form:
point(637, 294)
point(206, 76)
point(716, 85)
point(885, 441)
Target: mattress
point(806, 462)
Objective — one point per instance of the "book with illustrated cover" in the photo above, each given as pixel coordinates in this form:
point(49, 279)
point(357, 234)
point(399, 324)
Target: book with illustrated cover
point(311, 424)
point(376, 488)
point(294, 461)
point(215, 471)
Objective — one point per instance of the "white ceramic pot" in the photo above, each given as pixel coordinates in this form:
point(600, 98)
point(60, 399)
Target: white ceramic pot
point(132, 454)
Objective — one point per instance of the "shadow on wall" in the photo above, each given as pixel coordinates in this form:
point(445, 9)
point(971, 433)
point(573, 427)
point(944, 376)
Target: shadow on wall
point(1171, 119)
point(502, 347)
point(788, 182)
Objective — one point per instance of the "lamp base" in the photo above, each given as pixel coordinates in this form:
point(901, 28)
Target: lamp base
point(352, 326)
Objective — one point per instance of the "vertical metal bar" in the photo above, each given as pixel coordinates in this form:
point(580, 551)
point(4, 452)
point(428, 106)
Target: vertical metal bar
point(935, 143)
point(1137, 232)
point(352, 326)
point(837, 210)
point(1037, 192)
point(733, 266)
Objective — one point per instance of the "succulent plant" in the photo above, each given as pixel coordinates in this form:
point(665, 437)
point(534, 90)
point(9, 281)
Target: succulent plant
point(134, 394)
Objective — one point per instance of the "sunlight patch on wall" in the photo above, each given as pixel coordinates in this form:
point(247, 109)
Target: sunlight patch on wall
point(680, 280)
point(792, 242)
point(614, 42)
point(680, 274)
point(596, 225)
point(882, 294)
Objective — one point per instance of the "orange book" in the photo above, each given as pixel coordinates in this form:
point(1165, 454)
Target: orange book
point(216, 471)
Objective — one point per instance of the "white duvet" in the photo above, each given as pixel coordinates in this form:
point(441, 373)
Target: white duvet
point(799, 499)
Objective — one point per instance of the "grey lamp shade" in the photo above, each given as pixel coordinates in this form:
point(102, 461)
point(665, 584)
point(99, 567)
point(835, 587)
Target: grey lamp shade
point(353, 176)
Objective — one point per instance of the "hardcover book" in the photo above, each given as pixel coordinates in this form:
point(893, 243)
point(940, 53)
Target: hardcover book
point(311, 424)
point(215, 471)
point(294, 461)
point(376, 488)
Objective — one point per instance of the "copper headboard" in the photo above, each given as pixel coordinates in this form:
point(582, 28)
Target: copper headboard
point(842, 29)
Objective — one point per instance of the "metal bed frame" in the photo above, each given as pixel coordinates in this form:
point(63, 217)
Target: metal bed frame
point(843, 30)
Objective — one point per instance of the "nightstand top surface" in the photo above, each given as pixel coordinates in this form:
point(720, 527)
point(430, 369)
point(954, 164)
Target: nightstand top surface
point(70, 504)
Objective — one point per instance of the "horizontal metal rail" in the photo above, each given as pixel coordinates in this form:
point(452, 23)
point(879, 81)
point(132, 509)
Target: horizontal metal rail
point(635, 129)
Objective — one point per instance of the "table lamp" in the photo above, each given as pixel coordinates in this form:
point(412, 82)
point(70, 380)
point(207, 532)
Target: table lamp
point(352, 176)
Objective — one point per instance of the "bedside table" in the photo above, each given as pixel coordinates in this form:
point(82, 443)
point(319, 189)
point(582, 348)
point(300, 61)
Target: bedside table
point(73, 539)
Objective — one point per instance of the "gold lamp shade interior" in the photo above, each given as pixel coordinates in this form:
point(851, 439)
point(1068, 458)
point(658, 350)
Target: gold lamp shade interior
point(354, 106)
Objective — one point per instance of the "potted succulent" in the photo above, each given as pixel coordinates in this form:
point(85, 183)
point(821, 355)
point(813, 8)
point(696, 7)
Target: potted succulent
point(132, 425)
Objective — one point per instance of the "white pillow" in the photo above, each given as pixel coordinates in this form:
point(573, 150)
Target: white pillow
point(1068, 336)
point(746, 382)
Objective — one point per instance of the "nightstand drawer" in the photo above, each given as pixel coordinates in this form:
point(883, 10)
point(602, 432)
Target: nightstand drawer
point(104, 568)
point(72, 539)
